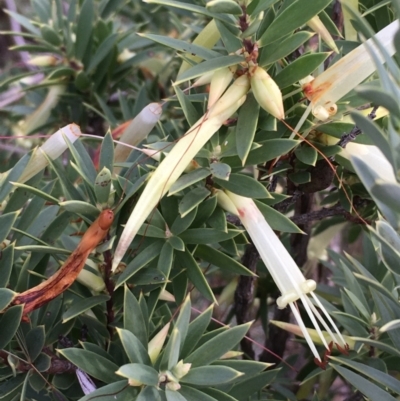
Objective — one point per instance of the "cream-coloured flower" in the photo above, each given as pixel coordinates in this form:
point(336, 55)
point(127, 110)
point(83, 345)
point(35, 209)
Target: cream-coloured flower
point(137, 131)
point(286, 274)
point(178, 158)
point(52, 149)
point(338, 80)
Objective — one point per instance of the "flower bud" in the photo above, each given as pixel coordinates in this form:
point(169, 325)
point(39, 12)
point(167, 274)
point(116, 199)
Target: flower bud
point(91, 280)
point(43, 61)
point(219, 82)
point(203, 79)
point(317, 26)
point(233, 94)
point(173, 386)
point(157, 342)
point(267, 92)
point(181, 369)
point(125, 55)
point(225, 202)
point(166, 296)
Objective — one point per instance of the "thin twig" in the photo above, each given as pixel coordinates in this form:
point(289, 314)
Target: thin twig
point(325, 212)
point(352, 135)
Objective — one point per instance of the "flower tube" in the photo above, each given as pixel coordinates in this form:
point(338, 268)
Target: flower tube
point(177, 160)
point(283, 269)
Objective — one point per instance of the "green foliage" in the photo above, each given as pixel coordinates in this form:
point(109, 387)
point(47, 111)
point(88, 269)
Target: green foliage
point(147, 331)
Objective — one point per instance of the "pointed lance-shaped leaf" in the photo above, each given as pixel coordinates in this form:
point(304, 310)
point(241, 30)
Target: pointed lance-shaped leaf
point(178, 158)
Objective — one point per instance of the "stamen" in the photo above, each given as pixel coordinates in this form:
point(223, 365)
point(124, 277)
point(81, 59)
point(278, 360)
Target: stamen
point(303, 329)
point(329, 318)
point(304, 299)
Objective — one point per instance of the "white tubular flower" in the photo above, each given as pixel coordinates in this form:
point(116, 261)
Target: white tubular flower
point(52, 148)
point(372, 156)
point(178, 158)
point(207, 38)
point(338, 80)
point(286, 274)
point(137, 130)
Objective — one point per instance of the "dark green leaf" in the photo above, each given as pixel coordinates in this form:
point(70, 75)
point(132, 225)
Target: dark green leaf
point(13, 176)
point(91, 363)
point(277, 220)
point(371, 129)
point(224, 262)
point(195, 274)
point(246, 127)
point(42, 362)
point(141, 260)
point(133, 317)
point(277, 50)
point(80, 306)
point(181, 224)
point(84, 28)
point(188, 179)
point(192, 199)
point(183, 46)
point(9, 387)
point(372, 391)
point(35, 342)
point(142, 373)
point(192, 394)
point(244, 185)
point(106, 393)
point(9, 324)
point(217, 346)
point(254, 384)
point(210, 375)
point(207, 66)
point(224, 7)
point(207, 235)
point(299, 69)
point(182, 323)
point(6, 297)
point(107, 152)
point(133, 347)
point(102, 186)
point(196, 330)
point(6, 222)
point(294, 16)
point(268, 151)
point(374, 374)
point(6, 265)
point(306, 154)
point(105, 48)
point(189, 110)
point(23, 21)
point(173, 396)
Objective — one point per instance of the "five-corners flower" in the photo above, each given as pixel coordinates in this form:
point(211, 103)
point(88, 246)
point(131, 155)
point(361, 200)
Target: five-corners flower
point(286, 274)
